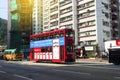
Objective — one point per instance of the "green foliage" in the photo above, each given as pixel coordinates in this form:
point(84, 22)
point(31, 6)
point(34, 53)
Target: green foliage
point(3, 32)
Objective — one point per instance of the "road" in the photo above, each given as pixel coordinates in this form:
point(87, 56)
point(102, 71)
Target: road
point(16, 70)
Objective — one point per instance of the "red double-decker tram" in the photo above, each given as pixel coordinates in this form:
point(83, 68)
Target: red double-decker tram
point(54, 46)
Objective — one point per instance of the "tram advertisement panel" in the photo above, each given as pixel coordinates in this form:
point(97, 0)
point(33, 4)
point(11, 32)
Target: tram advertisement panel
point(56, 54)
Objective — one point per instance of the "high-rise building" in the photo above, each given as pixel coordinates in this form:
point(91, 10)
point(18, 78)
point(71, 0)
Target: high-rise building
point(93, 23)
point(115, 18)
point(91, 20)
point(58, 14)
point(37, 24)
point(46, 15)
point(19, 24)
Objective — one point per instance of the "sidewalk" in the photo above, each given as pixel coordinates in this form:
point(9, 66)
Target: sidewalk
point(92, 60)
point(78, 61)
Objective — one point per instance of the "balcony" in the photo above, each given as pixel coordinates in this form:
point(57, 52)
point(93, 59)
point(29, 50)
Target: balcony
point(114, 16)
point(65, 2)
point(114, 23)
point(114, 13)
point(113, 6)
point(53, 2)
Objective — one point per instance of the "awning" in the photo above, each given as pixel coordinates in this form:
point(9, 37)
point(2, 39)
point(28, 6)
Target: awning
point(77, 47)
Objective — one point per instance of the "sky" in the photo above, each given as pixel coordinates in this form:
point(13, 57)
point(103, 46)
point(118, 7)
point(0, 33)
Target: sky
point(3, 9)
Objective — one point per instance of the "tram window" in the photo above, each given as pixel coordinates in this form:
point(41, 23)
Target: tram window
point(61, 35)
point(67, 33)
point(34, 39)
point(43, 50)
point(47, 37)
point(69, 48)
point(57, 35)
point(42, 38)
point(54, 36)
point(51, 36)
point(70, 34)
point(39, 38)
point(49, 49)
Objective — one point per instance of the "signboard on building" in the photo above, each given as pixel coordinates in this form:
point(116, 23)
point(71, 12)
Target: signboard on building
point(89, 48)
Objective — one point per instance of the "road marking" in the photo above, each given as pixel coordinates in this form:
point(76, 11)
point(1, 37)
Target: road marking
point(72, 72)
point(2, 72)
point(23, 77)
point(117, 77)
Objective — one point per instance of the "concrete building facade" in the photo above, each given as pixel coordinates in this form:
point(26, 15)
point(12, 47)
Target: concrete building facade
point(94, 21)
point(58, 14)
point(37, 24)
point(115, 18)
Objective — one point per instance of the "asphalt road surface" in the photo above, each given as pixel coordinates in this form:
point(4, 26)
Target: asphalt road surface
point(16, 70)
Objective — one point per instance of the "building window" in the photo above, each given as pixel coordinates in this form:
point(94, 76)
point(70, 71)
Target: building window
point(88, 23)
point(105, 23)
point(86, 14)
point(54, 16)
point(105, 5)
point(87, 33)
point(54, 23)
point(64, 2)
point(67, 26)
point(54, 9)
point(64, 19)
point(88, 4)
point(106, 33)
point(52, 2)
point(105, 13)
point(66, 10)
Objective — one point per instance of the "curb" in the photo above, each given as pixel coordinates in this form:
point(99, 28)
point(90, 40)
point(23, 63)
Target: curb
point(92, 60)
